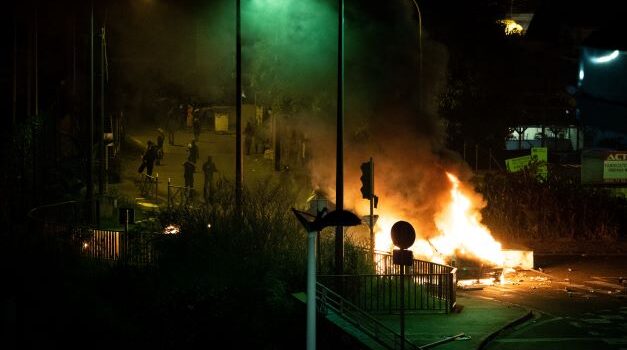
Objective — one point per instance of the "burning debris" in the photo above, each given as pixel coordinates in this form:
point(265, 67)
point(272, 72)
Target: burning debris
point(462, 241)
point(460, 233)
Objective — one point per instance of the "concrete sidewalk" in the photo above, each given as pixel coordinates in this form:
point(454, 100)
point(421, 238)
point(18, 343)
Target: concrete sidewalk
point(479, 320)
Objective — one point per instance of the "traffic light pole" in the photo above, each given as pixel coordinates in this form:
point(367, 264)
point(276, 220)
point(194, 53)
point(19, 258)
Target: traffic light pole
point(339, 167)
point(371, 208)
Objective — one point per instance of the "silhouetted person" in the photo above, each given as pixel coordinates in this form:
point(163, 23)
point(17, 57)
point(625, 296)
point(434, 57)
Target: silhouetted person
point(148, 159)
point(171, 125)
point(196, 126)
point(209, 168)
point(249, 132)
point(189, 169)
point(189, 115)
point(193, 152)
point(160, 139)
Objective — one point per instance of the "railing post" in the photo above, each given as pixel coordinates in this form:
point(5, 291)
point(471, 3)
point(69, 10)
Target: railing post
point(402, 307)
point(169, 193)
point(156, 188)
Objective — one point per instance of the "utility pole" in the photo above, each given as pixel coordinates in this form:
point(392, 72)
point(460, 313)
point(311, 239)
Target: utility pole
point(101, 167)
point(14, 96)
point(238, 110)
point(371, 209)
point(36, 133)
point(90, 150)
point(339, 167)
point(420, 80)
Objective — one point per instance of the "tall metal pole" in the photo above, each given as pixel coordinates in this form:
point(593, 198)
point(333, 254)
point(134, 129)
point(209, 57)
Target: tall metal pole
point(339, 174)
point(101, 155)
point(371, 208)
point(420, 82)
point(36, 144)
point(36, 63)
point(90, 149)
point(14, 95)
point(402, 308)
point(238, 110)
point(311, 290)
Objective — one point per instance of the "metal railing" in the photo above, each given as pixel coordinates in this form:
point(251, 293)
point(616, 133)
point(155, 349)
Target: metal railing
point(384, 335)
point(148, 186)
point(64, 228)
point(179, 196)
point(428, 286)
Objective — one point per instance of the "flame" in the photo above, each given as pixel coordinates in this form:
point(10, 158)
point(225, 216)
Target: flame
point(172, 229)
point(460, 232)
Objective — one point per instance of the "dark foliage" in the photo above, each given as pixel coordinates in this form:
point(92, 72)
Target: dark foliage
point(228, 285)
point(521, 208)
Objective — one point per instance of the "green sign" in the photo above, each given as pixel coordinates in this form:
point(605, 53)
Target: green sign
point(615, 171)
point(539, 154)
point(517, 164)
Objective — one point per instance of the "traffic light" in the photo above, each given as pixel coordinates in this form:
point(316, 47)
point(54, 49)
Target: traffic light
point(366, 180)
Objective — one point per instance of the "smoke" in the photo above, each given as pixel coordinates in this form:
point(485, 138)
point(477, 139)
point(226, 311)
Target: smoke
point(388, 120)
point(178, 50)
point(289, 62)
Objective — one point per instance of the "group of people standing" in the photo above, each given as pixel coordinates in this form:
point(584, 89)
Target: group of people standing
point(208, 168)
point(154, 154)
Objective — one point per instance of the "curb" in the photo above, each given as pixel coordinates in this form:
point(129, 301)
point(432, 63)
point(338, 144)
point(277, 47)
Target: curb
point(522, 319)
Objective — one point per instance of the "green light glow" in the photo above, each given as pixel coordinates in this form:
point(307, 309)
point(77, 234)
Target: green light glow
point(264, 3)
point(290, 46)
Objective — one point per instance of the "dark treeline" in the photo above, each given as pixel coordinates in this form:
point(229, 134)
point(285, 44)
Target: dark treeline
point(522, 209)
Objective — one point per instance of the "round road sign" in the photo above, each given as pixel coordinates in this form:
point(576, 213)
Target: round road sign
point(403, 234)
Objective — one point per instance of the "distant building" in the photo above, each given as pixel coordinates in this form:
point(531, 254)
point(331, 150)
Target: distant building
point(582, 53)
point(602, 106)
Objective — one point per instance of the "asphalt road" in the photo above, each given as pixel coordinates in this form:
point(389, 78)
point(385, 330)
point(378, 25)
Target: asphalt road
point(578, 303)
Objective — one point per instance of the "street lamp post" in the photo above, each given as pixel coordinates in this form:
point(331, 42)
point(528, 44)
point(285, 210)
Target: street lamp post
point(317, 203)
point(320, 221)
point(420, 83)
point(339, 168)
point(90, 150)
point(238, 110)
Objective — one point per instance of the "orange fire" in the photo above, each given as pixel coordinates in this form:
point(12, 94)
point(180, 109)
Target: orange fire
point(460, 232)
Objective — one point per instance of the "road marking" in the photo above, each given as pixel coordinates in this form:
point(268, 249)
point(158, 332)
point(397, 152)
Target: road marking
point(613, 317)
point(550, 340)
point(543, 322)
point(597, 320)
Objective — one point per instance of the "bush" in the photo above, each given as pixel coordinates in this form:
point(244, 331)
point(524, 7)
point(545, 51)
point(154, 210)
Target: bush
point(522, 208)
point(230, 283)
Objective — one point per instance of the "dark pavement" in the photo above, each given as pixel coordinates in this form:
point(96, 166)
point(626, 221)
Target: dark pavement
point(577, 301)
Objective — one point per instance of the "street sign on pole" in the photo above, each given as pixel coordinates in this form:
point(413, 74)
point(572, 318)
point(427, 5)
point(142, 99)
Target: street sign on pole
point(403, 236)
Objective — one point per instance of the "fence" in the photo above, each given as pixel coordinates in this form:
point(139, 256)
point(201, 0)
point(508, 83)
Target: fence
point(428, 286)
point(136, 248)
point(64, 228)
point(179, 196)
point(386, 336)
point(148, 186)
